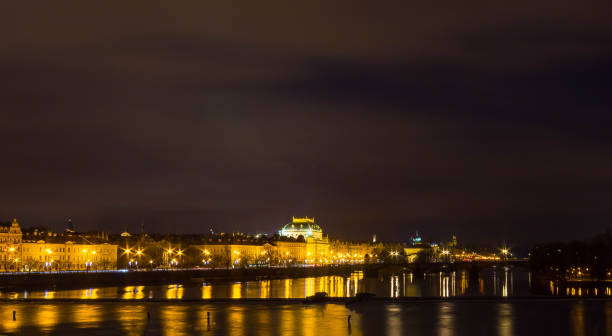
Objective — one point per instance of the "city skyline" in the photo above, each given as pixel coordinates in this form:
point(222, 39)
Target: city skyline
point(386, 119)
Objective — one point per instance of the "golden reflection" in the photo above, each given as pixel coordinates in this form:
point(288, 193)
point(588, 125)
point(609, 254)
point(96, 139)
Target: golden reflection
point(132, 318)
point(236, 290)
point(505, 284)
point(446, 318)
point(235, 320)
point(47, 317)
point(288, 322)
point(394, 286)
point(133, 292)
point(339, 286)
point(90, 293)
point(174, 320)
point(309, 322)
point(86, 315)
point(206, 291)
point(504, 319)
point(309, 287)
point(444, 289)
point(356, 280)
point(394, 320)
point(174, 292)
point(552, 287)
point(264, 326)
point(577, 318)
point(264, 289)
point(288, 283)
point(6, 322)
point(49, 294)
point(463, 283)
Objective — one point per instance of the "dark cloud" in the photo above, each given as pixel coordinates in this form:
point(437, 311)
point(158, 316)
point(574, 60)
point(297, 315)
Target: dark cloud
point(489, 122)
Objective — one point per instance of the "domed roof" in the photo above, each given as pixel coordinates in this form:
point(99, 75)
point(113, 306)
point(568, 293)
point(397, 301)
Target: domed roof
point(302, 227)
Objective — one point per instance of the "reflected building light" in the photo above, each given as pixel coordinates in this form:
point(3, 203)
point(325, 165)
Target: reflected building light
point(236, 290)
point(504, 319)
point(288, 288)
point(577, 318)
point(206, 291)
point(235, 320)
point(394, 286)
point(446, 318)
point(264, 289)
point(7, 325)
point(87, 315)
point(505, 285)
point(174, 320)
point(174, 291)
point(47, 317)
point(394, 320)
point(132, 318)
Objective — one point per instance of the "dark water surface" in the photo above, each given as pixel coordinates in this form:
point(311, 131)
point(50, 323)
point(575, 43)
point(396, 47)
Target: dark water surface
point(515, 311)
point(533, 317)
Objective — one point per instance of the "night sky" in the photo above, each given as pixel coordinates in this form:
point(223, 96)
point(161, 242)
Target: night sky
point(487, 120)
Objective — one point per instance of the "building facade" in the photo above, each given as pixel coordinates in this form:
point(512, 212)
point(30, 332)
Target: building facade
point(300, 242)
point(41, 250)
point(10, 246)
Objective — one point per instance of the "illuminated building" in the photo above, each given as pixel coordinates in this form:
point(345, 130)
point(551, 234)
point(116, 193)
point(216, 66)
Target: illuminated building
point(300, 241)
point(412, 253)
point(304, 227)
point(40, 250)
point(10, 245)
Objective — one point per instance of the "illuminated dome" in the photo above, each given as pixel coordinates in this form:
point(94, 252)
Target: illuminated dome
point(305, 227)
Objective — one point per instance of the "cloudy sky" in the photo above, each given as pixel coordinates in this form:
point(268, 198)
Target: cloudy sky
point(485, 120)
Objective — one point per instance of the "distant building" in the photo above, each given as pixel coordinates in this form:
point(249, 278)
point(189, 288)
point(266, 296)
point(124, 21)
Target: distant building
point(10, 245)
point(416, 240)
point(300, 241)
point(69, 226)
point(43, 250)
point(304, 227)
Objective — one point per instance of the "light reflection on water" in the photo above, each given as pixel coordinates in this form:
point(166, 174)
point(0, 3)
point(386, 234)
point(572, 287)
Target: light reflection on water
point(373, 318)
point(493, 282)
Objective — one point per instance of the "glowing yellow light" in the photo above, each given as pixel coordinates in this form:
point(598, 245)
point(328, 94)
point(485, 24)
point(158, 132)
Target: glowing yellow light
point(93, 252)
point(12, 249)
point(308, 253)
point(48, 251)
point(85, 251)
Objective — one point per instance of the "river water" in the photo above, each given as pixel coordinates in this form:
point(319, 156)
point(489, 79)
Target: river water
point(512, 314)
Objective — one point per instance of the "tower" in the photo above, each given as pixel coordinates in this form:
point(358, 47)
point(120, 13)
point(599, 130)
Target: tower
point(69, 226)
